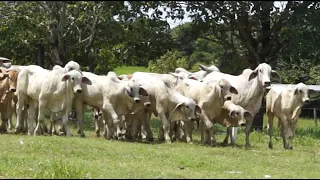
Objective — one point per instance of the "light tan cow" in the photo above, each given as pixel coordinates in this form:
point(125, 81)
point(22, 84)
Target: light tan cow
point(285, 104)
point(232, 115)
point(8, 84)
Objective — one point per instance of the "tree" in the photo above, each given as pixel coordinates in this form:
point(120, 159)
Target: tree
point(256, 24)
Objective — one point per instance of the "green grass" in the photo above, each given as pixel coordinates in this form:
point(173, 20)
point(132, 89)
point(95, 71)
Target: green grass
point(129, 69)
point(23, 156)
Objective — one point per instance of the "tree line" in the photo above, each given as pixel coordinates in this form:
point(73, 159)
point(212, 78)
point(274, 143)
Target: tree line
point(233, 35)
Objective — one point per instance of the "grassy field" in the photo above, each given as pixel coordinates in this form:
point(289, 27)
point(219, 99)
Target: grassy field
point(129, 69)
point(25, 156)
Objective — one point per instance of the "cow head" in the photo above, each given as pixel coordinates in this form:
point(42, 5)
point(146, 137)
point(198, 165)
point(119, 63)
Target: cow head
point(187, 108)
point(11, 76)
point(134, 90)
point(71, 65)
point(225, 90)
point(5, 62)
point(76, 78)
point(263, 73)
point(235, 115)
point(303, 93)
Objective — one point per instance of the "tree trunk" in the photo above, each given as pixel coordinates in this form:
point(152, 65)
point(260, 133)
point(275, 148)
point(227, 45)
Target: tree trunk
point(40, 55)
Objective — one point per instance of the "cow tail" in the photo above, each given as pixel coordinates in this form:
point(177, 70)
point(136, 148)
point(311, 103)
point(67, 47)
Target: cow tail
point(22, 81)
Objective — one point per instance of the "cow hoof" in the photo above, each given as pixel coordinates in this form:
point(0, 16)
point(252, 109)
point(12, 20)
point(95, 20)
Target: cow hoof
point(82, 135)
point(79, 132)
point(190, 142)
point(169, 142)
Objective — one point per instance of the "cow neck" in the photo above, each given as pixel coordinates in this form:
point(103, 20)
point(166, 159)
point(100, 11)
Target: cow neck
point(69, 94)
point(175, 96)
point(254, 92)
point(293, 101)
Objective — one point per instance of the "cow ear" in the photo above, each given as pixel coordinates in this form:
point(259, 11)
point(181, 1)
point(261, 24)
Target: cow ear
point(247, 115)
point(198, 109)
point(204, 68)
point(119, 77)
point(233, 90)
point(86, 80)
point(312, 93)
point(174, 74)
point(275, 76)
point(253, 74)
point(143, 92)
point(65, 77)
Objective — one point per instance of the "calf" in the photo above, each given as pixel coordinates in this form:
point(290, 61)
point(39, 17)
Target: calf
point(285, 104)
point(8, 84)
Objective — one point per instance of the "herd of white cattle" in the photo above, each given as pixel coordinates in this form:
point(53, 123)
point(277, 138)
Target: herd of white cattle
point(123, 104)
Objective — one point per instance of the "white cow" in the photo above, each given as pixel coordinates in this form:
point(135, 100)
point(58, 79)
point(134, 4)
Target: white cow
point(285, 104)
point(210, 97)
point(251, 85)
point(38, 87)
point(166, 102)
point(113, 97)
point(22, 126)
point(199, 75)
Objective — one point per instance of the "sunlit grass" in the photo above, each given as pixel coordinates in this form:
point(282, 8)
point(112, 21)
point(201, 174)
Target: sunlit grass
point(25, 156)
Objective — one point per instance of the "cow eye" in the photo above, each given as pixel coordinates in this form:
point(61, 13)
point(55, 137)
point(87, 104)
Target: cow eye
point(72, 79)
point(70, 69)
point(300, 91)
point(187, 107)
point(260, 70)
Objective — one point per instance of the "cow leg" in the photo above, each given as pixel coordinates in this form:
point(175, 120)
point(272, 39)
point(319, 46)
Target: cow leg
point(172, 132)
point(4, 117)
point(161, 133)
point(166, 127)
point(65, 117)
point(53, 123)
point(270, 122)
point(31, 117)
point(20, 107)
point(134, 126)
point(41, 116)
point(108, 128)
point(25, 120)
point(226, 139)
point(248, 131)
point(79, 115)
point(188, 126)
point(146, 125)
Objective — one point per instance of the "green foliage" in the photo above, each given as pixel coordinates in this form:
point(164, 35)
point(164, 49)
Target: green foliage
point(168, 62)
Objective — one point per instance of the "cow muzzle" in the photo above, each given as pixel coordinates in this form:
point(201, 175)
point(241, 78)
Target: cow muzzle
point(147, 104)
point(227, 98)
point(137, 100)
point(13, 89)
point(306, 101)
point(266, 84)
point(79, 91)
